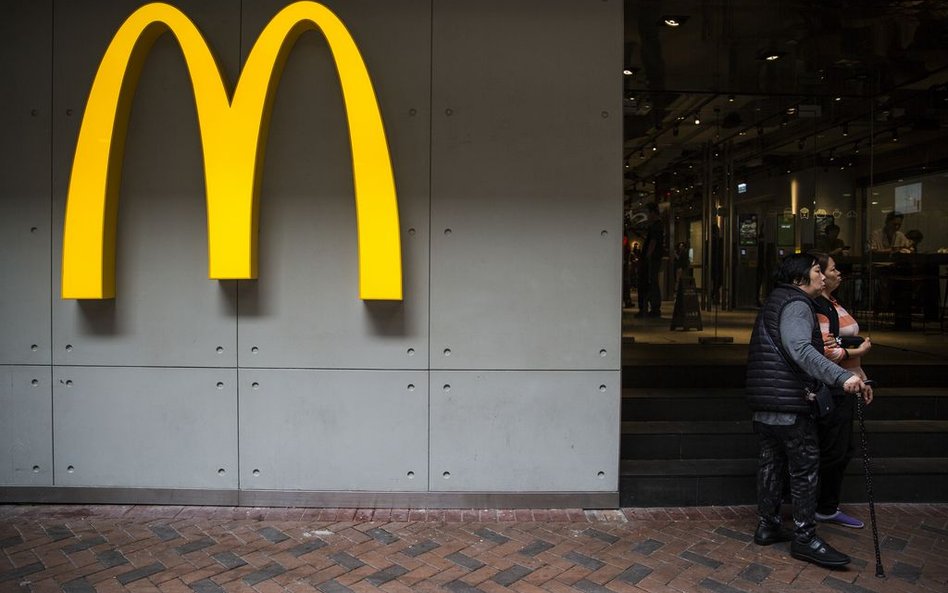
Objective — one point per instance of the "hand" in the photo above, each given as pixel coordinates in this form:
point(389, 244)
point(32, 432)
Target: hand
point(863, 348)
point(867, 394)
point(854, 385)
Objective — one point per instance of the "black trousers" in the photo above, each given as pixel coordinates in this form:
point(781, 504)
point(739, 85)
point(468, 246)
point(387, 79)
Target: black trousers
point(794, 448)
point(835, 433)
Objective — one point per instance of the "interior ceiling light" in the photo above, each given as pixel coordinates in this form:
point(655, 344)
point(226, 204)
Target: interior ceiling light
point(654, 147)
point(895, 135)
point(838, 99)
point(845, 130)
point(730, 98)
point(697, 119)
point(673, 20)
point(627, 72)
point(770, 55)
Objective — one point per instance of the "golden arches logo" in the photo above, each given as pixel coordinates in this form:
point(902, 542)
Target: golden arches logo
point(233, 135)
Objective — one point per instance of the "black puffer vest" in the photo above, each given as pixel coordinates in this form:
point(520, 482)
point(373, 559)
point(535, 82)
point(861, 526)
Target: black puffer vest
point(772, 385)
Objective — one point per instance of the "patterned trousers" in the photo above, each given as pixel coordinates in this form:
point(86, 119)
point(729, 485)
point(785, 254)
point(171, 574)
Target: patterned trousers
point(794, 448)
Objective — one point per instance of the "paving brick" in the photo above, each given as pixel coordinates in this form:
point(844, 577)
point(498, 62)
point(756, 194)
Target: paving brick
point(267, 572)
point(380, 535)
point(307, 547)
point(206, 586)
point(140, 573)
point(421, 548)
point(465, 561)
point(273, 535)
point(165, 532)
point(584, 560)
point(331, 586)
point(536, 547)
point(634, 574)
point(387, 574)
point(78, 586)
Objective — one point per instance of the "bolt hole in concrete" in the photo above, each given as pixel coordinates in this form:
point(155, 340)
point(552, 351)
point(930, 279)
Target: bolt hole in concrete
point(411, 475)
point(255, 472)
point(446, 475)
point(601, 475)
point(603, 353)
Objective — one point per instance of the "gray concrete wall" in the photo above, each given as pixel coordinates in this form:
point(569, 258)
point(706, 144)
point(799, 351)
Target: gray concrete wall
point(499, 371)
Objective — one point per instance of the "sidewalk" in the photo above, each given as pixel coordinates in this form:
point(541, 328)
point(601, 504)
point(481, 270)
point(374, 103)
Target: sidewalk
point(106, 549)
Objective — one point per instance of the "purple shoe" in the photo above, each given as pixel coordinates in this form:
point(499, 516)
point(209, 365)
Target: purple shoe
point(840, 518)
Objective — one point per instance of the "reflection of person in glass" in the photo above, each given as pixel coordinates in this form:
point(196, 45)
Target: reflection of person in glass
point(650, 295)
point(890, 239)
point(915, 236)
point(830, 243)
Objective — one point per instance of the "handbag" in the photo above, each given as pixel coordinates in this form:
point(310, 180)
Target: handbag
point(850, 341)
point(821, 399)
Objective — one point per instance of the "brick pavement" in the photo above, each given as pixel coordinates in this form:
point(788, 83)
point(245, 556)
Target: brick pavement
point(169, 549)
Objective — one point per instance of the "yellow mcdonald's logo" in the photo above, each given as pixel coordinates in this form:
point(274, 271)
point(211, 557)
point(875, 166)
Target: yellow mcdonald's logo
point(233, 134)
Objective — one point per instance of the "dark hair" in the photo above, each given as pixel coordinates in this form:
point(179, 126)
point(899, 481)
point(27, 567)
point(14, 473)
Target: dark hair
point(652, 207)
point(795, 269)
point(893, 215)
point(915, 236)
point(831, 227)
point(821, 258)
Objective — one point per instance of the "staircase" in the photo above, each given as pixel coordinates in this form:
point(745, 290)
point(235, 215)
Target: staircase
point(687, 435)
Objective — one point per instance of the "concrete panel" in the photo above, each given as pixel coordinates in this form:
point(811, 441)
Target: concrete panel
point(526, 184)
point(145, 427)
point(25, 29)
point(524, 431)
point(333, 430)
point(26, 426)
point(166, 311)
point(304, 311)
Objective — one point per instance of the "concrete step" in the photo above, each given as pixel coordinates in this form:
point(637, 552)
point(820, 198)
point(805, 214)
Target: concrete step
point(694, 482)
point(694, 440)
point(686, 404)
point(724, 366)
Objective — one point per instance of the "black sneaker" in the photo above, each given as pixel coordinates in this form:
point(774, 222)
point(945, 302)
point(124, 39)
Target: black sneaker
point(818, 552)
point(771, 534)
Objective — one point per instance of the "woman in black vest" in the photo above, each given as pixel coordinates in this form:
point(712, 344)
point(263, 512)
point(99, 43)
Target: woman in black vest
point(785, 361)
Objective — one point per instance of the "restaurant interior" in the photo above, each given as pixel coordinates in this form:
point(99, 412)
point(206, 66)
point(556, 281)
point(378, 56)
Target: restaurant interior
point(767, 128)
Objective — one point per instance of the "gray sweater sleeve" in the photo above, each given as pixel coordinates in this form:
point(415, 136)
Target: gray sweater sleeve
point(796, 331)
